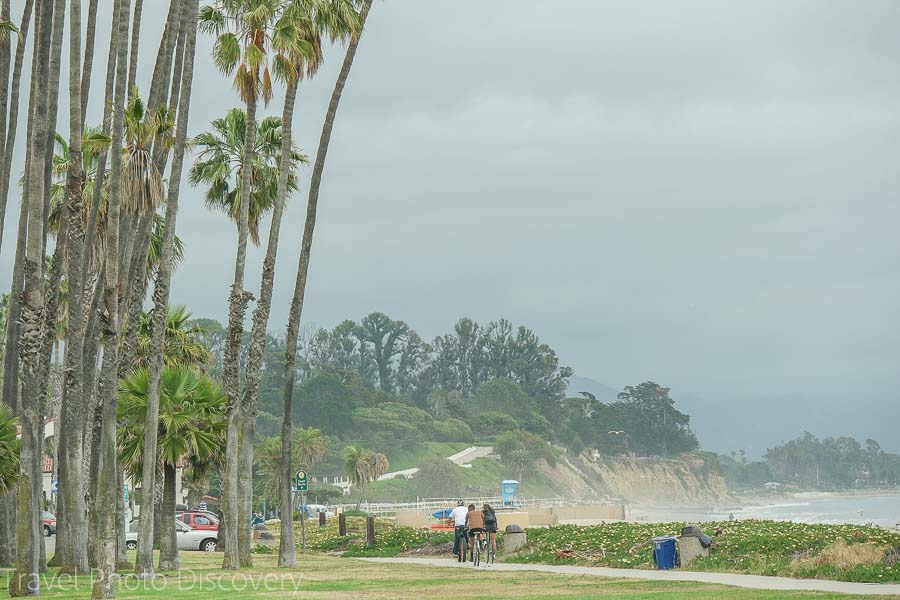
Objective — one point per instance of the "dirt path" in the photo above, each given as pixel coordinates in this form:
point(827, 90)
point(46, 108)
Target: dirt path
point(757, 582)
point(460, 458)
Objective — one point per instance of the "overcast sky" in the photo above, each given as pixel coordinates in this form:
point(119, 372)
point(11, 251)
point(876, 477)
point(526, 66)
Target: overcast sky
point(704, 194)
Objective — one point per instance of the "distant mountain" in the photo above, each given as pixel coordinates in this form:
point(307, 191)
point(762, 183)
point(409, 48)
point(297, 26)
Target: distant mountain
point(604, 393)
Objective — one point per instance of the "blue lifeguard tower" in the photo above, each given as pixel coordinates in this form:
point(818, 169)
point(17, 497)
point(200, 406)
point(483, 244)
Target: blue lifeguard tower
point(508, 490)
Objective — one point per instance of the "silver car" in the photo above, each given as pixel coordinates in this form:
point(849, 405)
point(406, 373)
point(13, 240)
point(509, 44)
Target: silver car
point(188, 539)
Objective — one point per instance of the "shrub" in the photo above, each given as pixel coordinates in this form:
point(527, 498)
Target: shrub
point(452, 430)
point(493, 423)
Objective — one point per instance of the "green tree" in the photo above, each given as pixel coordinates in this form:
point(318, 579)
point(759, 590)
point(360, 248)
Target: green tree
point(191, 427)
point(219, 167)
point(183, 345)
point(362, 466)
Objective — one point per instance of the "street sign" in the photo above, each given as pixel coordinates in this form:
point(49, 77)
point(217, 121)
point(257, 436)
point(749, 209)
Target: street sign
point(302, 481)
point(126, 493)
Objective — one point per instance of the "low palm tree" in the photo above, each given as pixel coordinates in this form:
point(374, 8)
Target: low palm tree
point(362, 466)
point(520, 461)
point(219, 167)
point(183, 346)
point(9, 451)
point(309, 446)
point(191, 432)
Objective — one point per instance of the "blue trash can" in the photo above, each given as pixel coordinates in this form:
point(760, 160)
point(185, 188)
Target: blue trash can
point(665, 553)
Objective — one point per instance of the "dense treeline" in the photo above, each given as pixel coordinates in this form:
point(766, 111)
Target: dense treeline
point(808, 462)
point(378, 383)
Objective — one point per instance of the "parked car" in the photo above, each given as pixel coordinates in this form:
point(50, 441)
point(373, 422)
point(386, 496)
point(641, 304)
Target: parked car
point(196, 519)
point(313, 510)
point(48, 520)
point(187, 538)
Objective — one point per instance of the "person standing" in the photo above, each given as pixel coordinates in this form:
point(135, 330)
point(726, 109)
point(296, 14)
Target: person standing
point(458, 520)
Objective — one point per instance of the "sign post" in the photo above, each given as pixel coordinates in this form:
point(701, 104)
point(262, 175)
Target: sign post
point(302, 481)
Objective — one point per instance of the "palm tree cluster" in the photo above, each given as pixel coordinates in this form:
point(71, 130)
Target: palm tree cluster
point(98, 212)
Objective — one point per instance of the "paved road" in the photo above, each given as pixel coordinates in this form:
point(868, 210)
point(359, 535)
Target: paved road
point(460, 458)
point(757, 582)
point(50, 545)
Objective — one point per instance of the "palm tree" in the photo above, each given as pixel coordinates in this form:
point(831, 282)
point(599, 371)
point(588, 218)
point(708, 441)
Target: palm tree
point(362, 466)
point(168, 252)
point(191, 428)
point(337, 20)
point(183, 345)
point(9, 451)
point(25, 578)
point(308, 446)
point(520, 461)
point(219, 166)
point(243, 31)
point(107, 486)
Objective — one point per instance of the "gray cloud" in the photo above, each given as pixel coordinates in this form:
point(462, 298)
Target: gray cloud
point(699, 193)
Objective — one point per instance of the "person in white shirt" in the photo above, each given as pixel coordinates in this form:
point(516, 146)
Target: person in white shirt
point(458, 520)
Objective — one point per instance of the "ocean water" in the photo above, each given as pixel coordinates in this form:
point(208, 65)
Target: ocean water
point(881, 510)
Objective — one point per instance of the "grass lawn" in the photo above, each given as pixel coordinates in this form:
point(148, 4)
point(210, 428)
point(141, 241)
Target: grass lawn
point(326, 577)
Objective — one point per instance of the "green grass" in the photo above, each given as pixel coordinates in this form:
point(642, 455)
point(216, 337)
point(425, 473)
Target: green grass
point(755, 547)
point(328, 578)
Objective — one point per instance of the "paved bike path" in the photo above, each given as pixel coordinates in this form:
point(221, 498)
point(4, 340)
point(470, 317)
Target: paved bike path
point(757, 582)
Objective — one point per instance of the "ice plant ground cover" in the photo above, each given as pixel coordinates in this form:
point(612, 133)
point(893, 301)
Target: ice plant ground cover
point(840, 552)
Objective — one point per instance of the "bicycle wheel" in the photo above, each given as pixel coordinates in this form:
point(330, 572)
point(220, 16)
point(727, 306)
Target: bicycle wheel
point(476, 552)
point(463, 548)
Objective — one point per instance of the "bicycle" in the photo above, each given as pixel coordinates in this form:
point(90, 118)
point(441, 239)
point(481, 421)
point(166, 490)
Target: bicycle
point(463, 546)
point(481, 543)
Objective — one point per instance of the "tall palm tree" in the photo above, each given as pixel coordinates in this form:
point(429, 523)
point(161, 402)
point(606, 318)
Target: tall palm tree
point(308, 446)
point(25, 578)
point(243, 42)
point(167, 257)
point(107, 486)
point(338, 17)
point(219, 166)
point(9, 451)
point(191, 429)
point(183, 344)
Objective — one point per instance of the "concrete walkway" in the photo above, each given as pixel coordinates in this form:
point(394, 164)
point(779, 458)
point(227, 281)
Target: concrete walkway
point(757, 582)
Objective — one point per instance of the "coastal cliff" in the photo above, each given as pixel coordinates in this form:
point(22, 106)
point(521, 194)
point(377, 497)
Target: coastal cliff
point(683, 480)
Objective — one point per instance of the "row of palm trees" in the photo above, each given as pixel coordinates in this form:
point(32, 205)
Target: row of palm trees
point(97, 224)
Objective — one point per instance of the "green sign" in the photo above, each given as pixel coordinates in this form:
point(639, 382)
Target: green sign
point(126, 493)
point(302, 481)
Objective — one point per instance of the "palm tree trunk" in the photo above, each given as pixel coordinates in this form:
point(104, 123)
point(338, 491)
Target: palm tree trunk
point(71, 517)
point(293, 328)
point(233, 527)
point(108, 493)
point(25, 579)
point(90, 36)
point(144, 562)
point(12, 121)
point(100, 174)
point(168, 546)
point(135, 40)
point(5, 60)
point(261, 320)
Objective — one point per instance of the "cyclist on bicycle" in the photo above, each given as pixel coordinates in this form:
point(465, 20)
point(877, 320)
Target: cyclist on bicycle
point(475, 524)
point(490, 524)
point(458, 520)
